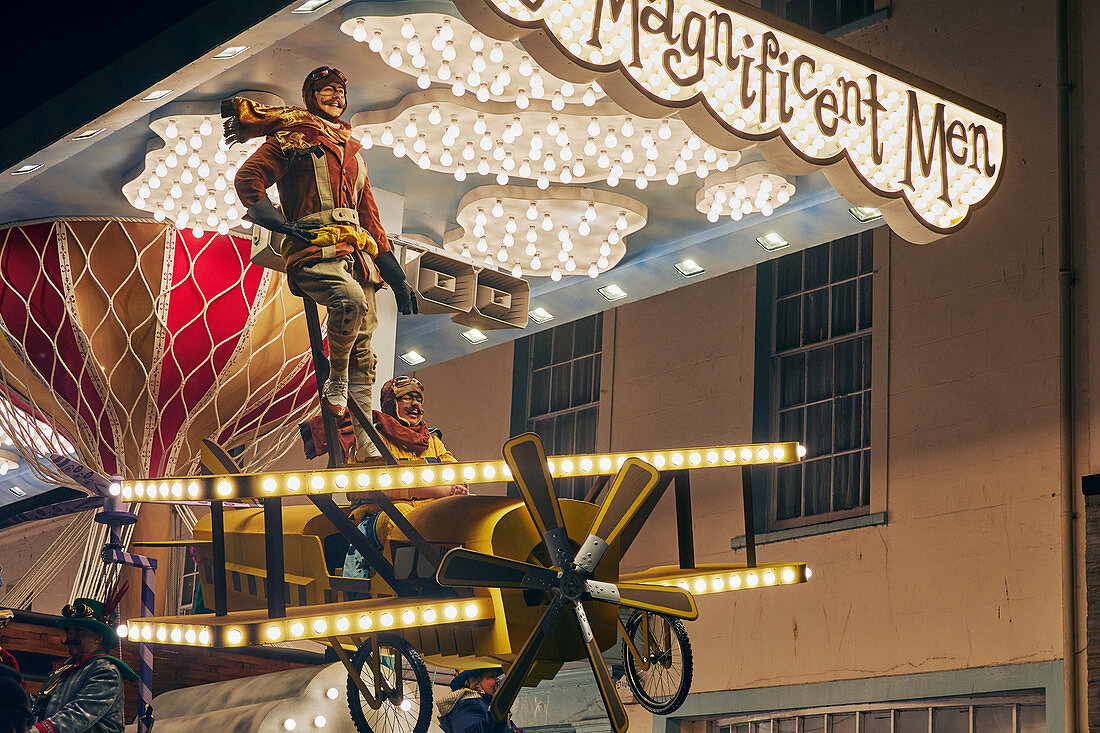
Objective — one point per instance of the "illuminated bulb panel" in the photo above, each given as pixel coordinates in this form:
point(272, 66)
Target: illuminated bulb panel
point(302, 625)
point(575, 145)
point(890, 138)
point(570, 230)
point(592, 464)
point(189, 181)
point(750, 189)
point(444, 49)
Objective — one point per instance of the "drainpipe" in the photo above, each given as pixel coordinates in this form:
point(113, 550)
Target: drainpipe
point(1066, 382)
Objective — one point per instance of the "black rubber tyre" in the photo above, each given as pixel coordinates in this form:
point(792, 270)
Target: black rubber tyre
point(416, 687)
point(663, 687)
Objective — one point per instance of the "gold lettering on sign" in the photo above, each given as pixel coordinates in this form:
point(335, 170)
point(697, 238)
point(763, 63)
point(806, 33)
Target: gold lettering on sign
point(759, 83)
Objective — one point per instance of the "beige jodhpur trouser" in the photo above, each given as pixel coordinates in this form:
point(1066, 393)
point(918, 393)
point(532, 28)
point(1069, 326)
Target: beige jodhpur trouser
point(352, 318)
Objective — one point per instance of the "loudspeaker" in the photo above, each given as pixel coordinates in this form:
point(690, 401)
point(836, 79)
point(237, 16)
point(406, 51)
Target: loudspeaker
point(442, 284)
point(500, 301)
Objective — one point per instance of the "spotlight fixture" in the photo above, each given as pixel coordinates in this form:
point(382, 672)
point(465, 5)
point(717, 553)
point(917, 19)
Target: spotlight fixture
point(541, 315)
point(412, 358)
point(310, 5)
point(689, 268)
point(230, 51)
point(24, 169)
point(156, 94)
point(612, 292)
point(772, 241)
point(89, 133)
point(864, 214)
point(474, 336)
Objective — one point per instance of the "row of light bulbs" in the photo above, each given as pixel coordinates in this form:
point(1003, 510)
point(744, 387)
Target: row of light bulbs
point(31, 432)
point(760, 576)
point(328, 482)
point(754, 187)
point(459, 137)
point(498, 227)
point(460, 56)
point(190, 181)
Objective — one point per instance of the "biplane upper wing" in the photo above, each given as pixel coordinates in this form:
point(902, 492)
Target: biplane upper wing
point(316, 623)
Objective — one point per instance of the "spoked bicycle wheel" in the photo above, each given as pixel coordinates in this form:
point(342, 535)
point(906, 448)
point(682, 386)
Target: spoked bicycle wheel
point(660, 683)
point(406, 698)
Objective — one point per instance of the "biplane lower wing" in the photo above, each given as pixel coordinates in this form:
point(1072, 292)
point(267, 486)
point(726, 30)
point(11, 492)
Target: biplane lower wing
point(315, 623)
point(721, 578)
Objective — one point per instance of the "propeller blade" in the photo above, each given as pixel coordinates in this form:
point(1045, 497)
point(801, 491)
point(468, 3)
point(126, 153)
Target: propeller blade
point(616, 713)
point(526, 458)
point(464, 567)
point(513, 680)
point(669, 601)
point(628, 492)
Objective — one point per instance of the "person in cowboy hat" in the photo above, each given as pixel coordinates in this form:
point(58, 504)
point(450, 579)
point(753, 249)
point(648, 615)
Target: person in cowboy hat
point(334, 247)
point(466, 708)
point(84, 693)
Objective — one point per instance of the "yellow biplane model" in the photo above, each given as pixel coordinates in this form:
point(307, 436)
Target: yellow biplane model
point(467, 580)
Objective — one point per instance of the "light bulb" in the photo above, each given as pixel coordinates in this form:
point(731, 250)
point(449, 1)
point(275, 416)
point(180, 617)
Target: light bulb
point(483, 167)
point(593, 272)
point(510, 225)
point(547, 223)
point(621, 222)
point(665, 130)
point(423, 80)
point(482, 244)
point(590, 213)
point(589, 98)
point(517, 271)
point(555, 274)
point(628, 128)
point(171, 130)
point(570, 264)
point(360, 32)
point(522, 100)
point(502, 254)
point(498, 209)
point(408, 30)
point(584, 229)
point(536, 262)
point(205, 127)
point(532, 211)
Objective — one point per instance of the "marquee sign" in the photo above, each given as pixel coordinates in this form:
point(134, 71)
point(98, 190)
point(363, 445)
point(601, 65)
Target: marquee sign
point(925, 156)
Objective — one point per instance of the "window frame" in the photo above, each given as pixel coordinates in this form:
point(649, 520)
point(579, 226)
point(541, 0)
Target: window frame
point(873, 11)
point(522, 393)
point(766, 399)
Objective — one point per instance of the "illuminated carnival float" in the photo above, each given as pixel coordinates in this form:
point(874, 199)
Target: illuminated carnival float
point(153, 345)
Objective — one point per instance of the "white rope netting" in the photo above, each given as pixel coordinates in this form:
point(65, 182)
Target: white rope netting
point(135, 341)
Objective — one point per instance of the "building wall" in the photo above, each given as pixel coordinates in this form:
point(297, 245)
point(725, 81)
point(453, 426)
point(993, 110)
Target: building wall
point(965, 573)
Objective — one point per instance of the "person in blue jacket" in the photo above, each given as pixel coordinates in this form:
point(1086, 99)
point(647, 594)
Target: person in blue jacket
point(466, 708)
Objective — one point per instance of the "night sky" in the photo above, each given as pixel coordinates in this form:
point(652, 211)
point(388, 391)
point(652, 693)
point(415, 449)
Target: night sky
point(49, 47)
